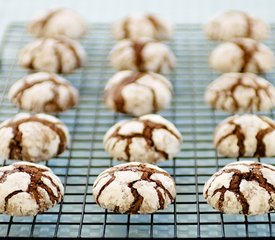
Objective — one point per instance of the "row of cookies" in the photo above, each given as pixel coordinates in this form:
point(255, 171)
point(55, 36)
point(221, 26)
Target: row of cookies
point(139, 90)
point(29, 188)
point(243, 187)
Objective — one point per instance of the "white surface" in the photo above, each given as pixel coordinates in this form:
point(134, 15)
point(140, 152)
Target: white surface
point(177, 11)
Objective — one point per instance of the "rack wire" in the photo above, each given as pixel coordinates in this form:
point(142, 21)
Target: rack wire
point(78, 216)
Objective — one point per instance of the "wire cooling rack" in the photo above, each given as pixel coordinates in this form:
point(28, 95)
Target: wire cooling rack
point(78, 216)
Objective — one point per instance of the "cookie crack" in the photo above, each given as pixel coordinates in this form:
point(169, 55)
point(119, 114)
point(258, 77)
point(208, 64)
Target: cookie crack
point(138, 55)
point(125, 27)
point(237, 131)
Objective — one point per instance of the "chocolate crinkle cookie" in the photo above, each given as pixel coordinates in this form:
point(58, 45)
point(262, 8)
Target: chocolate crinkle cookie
point(57, 54)
point(243, 187)
point(134, 188)
point(58, 21)
point(138, 25)
point(43, 92)
point(149, 138)
point(142, 55)
point(242, 55)
point(137, 93)
point(28, 189)
point(233, 24)
point(246, 136)
point(240, 92)
point(32, 138)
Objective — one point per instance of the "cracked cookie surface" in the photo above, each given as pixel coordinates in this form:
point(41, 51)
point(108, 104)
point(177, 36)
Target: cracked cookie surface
point(134, 188)
point(243, 187)
point(245, 136)
point(149, 138)
point(138, 25)
point(58, 21)
point(240, 92)
point(43, 92)
point(242, 55)
point(142, 55)
point(27, 189)
point(58, 54)
point(32, 138)
point(232, 24)
point(137, 93)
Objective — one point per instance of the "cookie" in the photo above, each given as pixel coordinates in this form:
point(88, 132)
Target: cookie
point(149, 139)
point(138, 25)
point(137, 93)
point(245, 136)
point(240, 92)
point(142, 55)
point(27, 189)
point(233, 24)
point(134, 188)
point(32, 138)
point(58, 21)
point(243, 187)
point(242, 55)
point(43, 92)
point(56, 54)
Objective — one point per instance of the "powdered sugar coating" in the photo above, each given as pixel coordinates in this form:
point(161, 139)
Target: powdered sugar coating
point(243, 187)
point(43, 92)
point(245, 136)
point(137, 93)
point(138, 25)
point(149, 139)
point(134, 188)
point(57, 54)
point(27, 189)
point(58, 21)
point(240, 92)
point(232, 24)
point(242, 55)
point(32, 138)
point(142, 55)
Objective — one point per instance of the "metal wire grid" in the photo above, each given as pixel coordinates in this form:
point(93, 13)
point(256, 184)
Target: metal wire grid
point(78, 216)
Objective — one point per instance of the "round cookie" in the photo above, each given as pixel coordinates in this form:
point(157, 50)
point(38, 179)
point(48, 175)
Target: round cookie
point(240, 92)
point(245, 136)
point(242, 55)
point(43, 92)
point(233, 24)
point(243, 187)
point(138, 25)
point(58, 21)
point(32, 138)
point(149, 139)
point(134, 188)
point(56, 54)
point(27, 189)
point(142, 55)
point(137, 93)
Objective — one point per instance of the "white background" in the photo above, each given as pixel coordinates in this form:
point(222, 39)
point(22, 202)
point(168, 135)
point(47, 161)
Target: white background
point(177, 11)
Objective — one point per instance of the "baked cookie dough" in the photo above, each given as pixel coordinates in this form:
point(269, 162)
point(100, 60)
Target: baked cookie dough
point(58, 54)
point(242, 55)
point(240, 92)
point(32, 138)
point(138, 25)
point(137, 93)
point(243, 187)
point(149, 139)
point(245, 136)
point(58, 21)
point(142, 55)
point(43, 92)
point(232, 24)
point(27, 189)
point(134, 188)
